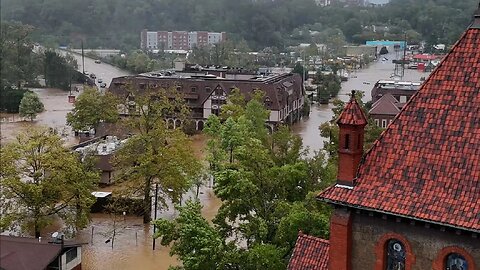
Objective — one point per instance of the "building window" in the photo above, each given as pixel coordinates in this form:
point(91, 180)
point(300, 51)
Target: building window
point(194, 89)
point(359, 141)
point(71, 254)
point(377, 122)
point(347, 141)
point(395, 255)
point(456, 261)
point(384, 123)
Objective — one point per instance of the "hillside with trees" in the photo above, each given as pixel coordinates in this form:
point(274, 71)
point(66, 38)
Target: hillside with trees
point(102, 23)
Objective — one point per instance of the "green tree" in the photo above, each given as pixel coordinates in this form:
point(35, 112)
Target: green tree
point(91, 108)
point(43, 179)
point(156, 154)
point(30, 105)
point(18, 60)
point(59, 70)
point(197, 244)
point(300, 69)
point(267, 188)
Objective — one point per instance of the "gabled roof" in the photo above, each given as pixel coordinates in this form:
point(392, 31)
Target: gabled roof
point(24, 253)
point(310, 253)
point(426, 165)
point(352, 114)
point(386, 105)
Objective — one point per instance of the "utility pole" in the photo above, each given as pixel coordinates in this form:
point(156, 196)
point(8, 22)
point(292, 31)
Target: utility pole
point(404, 55)
point(155, 214)
point(83, 59)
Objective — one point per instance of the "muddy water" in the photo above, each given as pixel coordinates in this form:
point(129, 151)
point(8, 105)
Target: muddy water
point(362, 80)
point(132, 246)
point(56, 108)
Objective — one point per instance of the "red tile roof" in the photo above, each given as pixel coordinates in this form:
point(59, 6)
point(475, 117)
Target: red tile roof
point(310, 253)
point(426, 165)
point(352, 113)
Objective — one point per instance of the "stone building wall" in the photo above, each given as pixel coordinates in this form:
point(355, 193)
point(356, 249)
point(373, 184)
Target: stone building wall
point(426, 243)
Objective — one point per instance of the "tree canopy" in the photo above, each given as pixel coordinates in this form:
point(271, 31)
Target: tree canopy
point(91, 108)
point(30, 105)
point(267, 187)
point(156, 154)
point(41, 180)
point(261, 23)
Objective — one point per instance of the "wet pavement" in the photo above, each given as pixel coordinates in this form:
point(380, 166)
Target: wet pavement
point(132, 246)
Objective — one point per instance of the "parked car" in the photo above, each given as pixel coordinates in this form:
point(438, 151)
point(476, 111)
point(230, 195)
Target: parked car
point(98, 61)
point(93, 76)
point(103, 85)
point(100, 80)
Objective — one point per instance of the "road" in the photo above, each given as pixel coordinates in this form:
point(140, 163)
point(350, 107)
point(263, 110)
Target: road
point(103, 71)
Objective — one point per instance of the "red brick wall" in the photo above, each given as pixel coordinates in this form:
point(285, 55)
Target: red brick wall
point(349, 159)
point(340, 240)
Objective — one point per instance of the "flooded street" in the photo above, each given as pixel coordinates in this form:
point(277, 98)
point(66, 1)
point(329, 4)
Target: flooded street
point(364, 81)
point(56, 108)
point(132, 245)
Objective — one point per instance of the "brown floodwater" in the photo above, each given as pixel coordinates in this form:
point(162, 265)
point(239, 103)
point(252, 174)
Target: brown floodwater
point(56, 108)
point(362, 80)
point(132, 246)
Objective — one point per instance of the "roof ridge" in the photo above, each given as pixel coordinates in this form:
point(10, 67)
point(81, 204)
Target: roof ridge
point(325, 241)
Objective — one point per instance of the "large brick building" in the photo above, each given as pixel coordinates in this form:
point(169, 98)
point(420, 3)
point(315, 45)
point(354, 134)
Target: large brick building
point(205, 94)
point(413, 200)
point(179, 40)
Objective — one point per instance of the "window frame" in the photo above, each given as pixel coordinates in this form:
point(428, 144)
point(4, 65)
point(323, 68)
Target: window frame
point(381, 248)
point(440, 263)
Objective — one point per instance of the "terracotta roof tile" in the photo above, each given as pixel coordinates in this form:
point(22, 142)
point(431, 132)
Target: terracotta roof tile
point(310, 253)
point(426, 165)
point(352, 114)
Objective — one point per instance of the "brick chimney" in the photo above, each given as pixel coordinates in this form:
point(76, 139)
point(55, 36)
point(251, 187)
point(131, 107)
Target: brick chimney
point(351, 123)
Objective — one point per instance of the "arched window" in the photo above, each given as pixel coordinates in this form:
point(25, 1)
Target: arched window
point(455, 261)
point(396, 255)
